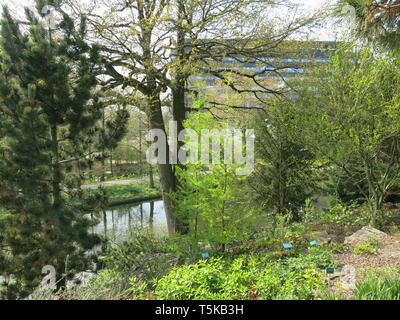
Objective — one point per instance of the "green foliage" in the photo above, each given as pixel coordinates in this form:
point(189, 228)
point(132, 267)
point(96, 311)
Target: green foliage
point(379, 284)
point(341, 185)
point(345, 215)
point(349, 114)
point(210, 196)
point(138, 290)
point(369, 247)
point(186, 247)
point(339, 248)
point(129, 192)
point(281, 231)
point(48, 113)
point(243, 278)
point(143, 256)
point(319, 257)
point(284, 176)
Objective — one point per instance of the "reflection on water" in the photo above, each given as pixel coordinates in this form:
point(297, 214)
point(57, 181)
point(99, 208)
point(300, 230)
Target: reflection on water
point(119, 222)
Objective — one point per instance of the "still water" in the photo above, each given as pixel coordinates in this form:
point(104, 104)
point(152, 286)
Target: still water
point(118, 223)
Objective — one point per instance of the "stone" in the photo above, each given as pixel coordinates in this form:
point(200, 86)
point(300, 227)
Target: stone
point(348, 277)
point(391, 253)
point(364, 235)
point(80, 279)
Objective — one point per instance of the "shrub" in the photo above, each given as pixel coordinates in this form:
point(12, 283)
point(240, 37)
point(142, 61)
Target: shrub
point(348, 216)
point(143, 256)
point(186, 247)
point(368, 247)
point(244, 278)
point(318, 257)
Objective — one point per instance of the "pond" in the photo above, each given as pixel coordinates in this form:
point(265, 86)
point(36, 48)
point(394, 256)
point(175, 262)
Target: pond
point(118, 223)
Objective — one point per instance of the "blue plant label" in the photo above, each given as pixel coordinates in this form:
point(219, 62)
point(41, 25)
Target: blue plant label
point(313, 243)
point(205, 255)
point(330, 270)
point(287, 245)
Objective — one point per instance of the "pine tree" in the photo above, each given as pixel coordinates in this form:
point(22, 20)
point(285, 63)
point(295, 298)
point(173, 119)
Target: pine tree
point(49, 110)
point(375, 20)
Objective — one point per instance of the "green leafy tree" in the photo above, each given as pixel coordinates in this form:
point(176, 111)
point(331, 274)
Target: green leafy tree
point(48, 108)
point(349, 112)
point(210, 197)
point(155, 46)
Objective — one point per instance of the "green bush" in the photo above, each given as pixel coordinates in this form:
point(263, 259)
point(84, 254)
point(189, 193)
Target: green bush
point(347, 216)
point(368, 247)
point(244, 278)
point(379, 285)
point(319, 257)
point(143, 256)
point(186, 247)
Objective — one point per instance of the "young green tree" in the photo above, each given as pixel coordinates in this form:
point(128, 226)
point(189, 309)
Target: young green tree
point(210, 199)
point(349, 114)
point(48, 107)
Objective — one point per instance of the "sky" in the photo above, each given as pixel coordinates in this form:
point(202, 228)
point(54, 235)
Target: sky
point(328, 32)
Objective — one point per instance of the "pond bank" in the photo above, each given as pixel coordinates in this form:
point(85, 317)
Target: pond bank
point(134, 200)
point(130, 193)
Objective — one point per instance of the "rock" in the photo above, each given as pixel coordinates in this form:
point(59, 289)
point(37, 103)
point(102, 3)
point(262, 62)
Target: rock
point(80, 279)
point(391, 253)
point(348, 278)
point(364, 235)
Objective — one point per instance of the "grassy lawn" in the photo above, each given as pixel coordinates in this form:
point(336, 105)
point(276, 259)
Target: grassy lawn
point(125, 194)
point(131, 192)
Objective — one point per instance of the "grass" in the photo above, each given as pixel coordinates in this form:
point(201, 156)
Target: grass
point(124, 194)
point(379, 284)
point(131, 192)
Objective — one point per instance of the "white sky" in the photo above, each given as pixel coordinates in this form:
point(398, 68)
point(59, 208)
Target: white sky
point(327, 32)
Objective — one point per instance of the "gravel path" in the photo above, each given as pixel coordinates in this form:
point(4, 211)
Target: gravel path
point(116, 183)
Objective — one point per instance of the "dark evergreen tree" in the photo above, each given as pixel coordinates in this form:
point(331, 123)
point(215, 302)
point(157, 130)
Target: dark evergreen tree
point(283, 177)
point(49, 110)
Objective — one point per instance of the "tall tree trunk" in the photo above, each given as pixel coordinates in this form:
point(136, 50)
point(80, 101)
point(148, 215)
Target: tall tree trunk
point(179, 114)
point(151, 217)
point(140, 148)
point(103, 150)
point(111, 163)
point(178, 93)
point(165, 171)
point(151, 177)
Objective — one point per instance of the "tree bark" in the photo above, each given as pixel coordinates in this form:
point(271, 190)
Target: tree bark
point(151, 177)
point(165, 171)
